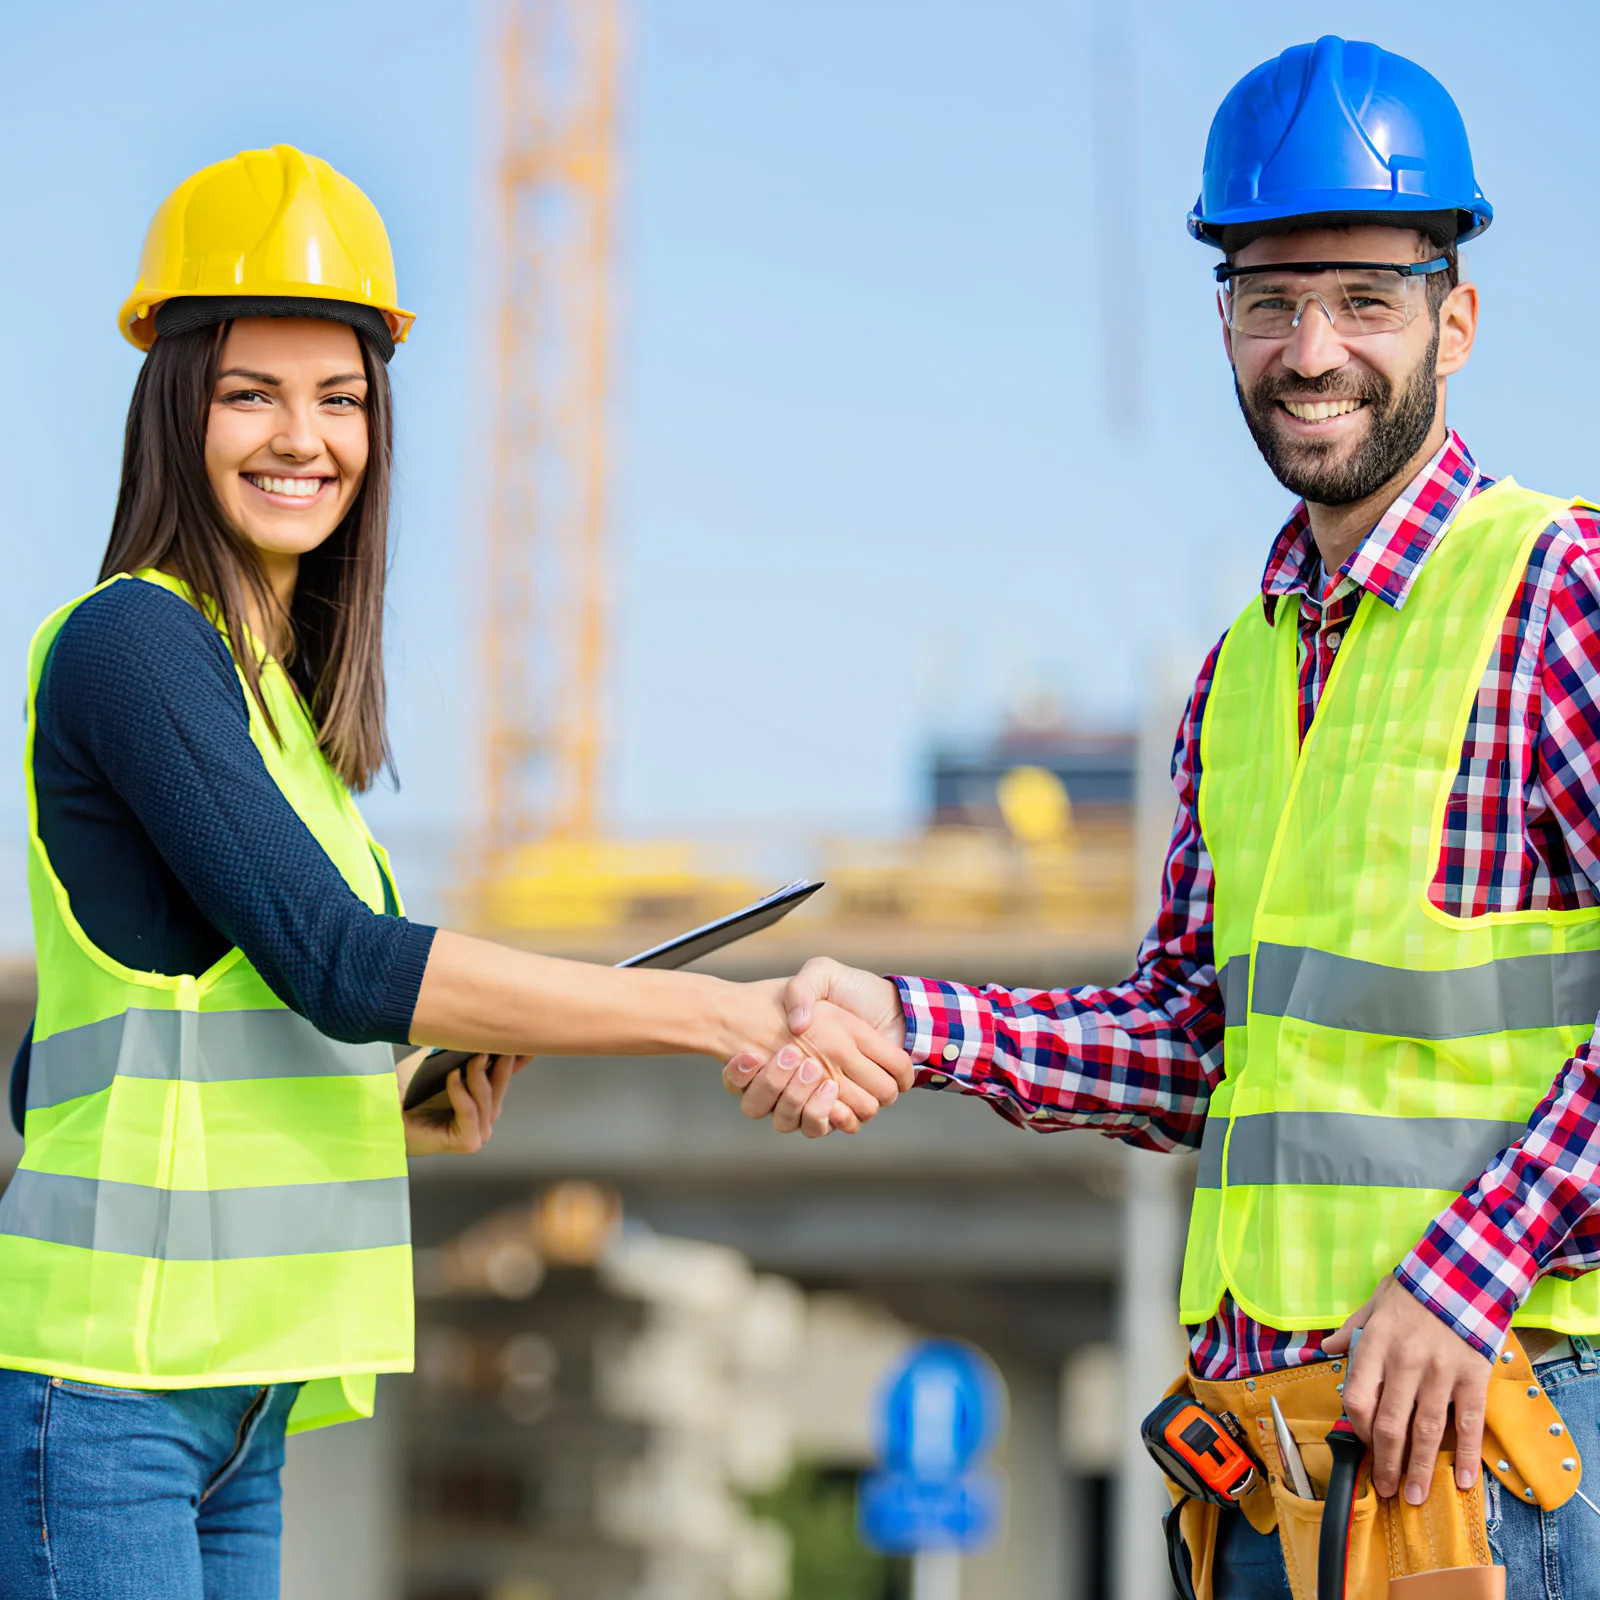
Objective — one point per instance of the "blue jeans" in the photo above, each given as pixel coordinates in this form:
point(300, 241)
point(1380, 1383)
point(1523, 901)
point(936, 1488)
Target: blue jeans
point(1548, 1555)
point(128, 1494)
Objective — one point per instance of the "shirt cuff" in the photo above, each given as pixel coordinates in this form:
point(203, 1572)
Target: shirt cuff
point(949, 1031)
point(1470, 1274)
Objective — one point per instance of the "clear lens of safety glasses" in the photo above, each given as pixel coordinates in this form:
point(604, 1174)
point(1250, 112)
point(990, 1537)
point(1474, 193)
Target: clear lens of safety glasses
point(1357, 297)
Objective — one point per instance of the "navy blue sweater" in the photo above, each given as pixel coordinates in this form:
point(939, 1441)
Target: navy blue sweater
point(172, 840)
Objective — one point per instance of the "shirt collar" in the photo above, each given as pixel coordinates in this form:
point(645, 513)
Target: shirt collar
point(1387, 561)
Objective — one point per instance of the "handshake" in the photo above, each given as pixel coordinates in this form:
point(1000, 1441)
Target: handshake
point(843, 1058)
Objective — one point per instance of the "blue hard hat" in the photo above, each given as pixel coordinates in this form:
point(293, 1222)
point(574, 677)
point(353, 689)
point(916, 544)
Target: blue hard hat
point(1337, 129)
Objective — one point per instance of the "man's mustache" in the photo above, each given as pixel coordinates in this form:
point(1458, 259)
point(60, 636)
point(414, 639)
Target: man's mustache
point(1338, 385)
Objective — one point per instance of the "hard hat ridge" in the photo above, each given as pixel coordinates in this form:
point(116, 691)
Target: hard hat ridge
point(1342, 129)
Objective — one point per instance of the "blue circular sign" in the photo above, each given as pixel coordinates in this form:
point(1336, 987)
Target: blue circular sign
point(941, 1411)
point(904, 1515)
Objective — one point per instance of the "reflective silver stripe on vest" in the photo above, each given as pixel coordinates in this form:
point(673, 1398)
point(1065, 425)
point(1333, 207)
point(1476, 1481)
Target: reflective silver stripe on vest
point(206, 1224)
point(1235, 983)
point(1212, 1138)
point(1342, 1147)
point(195, 1046)
point(1549, 991)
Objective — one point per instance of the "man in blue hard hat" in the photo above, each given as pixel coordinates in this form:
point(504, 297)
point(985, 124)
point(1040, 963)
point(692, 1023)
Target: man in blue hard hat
point(1370, 997)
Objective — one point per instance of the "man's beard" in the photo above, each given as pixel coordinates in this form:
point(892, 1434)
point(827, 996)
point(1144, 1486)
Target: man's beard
point(1398, 429)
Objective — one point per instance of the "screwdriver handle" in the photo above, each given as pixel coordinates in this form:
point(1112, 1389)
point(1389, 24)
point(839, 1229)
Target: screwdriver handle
point(1333, 1546)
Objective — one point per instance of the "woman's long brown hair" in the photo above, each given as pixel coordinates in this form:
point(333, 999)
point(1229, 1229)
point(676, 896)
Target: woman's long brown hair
point(168, 517)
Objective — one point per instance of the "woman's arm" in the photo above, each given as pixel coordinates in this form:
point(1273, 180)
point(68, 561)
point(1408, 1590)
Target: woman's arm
point(477, 995)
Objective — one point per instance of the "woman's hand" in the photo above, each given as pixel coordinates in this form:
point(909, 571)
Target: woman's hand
point(839, 1076)
point(476, 1094)
point(822, 1000)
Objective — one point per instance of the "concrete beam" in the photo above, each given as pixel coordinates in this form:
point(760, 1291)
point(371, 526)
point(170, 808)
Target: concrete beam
point(917, 1230)
point(641, 1117)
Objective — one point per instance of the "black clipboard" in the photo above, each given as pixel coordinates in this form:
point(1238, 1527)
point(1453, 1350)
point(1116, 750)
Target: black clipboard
point(437, 1065)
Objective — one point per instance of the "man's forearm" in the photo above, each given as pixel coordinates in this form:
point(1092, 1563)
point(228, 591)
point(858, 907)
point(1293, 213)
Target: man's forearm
point(1138, 1061)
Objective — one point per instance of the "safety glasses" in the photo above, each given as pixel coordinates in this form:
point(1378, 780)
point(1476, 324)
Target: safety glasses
point(1359, 298)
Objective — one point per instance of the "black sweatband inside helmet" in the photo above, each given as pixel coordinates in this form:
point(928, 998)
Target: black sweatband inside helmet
point(1440, 228)
point(189, 312)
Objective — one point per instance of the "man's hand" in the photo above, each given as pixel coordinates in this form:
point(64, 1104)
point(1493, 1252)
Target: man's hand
point(475, 1093)
point(846, 1068)
point(875, 1000)
point(815, 1000)
point(1409, 1370)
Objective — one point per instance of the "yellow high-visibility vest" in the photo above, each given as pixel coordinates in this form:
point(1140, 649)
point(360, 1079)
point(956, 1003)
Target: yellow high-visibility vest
point(211, 1191)
point(1379, 1052)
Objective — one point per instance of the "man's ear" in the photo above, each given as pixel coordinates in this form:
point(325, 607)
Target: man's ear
point(1458, 328)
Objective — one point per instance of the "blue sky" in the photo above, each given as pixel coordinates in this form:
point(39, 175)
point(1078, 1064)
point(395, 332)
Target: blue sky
point(865, 488)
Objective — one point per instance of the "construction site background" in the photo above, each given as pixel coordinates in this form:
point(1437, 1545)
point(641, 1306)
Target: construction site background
point(815, 458)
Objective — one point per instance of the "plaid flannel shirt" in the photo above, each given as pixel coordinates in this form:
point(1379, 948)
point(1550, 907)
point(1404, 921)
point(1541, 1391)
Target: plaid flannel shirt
point(1139, 1061)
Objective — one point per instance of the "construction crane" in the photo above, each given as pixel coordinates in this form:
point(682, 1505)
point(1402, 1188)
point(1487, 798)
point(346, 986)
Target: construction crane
point(544, 634)
point(546, 861)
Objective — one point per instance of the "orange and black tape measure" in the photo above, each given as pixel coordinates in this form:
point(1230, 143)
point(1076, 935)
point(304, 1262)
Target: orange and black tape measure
point(1198, 1451)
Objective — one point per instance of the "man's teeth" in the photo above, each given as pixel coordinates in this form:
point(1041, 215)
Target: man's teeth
point(301, 488)
point(1320, 410)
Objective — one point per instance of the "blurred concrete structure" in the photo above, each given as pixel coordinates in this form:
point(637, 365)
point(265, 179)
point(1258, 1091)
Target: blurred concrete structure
point(940, 1215)
point(587, 1430)
point(591, 1429)
point(945, 1217)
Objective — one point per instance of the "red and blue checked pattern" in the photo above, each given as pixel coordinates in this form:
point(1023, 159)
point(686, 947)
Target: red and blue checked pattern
point(1138, 1061)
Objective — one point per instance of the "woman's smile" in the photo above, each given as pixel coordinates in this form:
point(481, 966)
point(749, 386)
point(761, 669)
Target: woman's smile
point(290, 492)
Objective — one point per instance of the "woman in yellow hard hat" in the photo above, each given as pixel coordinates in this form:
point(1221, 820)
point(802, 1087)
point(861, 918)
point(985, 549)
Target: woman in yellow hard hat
point(207, 1242)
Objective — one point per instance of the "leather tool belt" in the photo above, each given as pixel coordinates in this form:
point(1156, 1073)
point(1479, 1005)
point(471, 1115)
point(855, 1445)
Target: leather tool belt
point(1525, 1445)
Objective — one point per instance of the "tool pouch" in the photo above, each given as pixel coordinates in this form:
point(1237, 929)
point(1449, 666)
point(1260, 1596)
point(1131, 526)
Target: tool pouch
point(1525, 1446)
point(1388, 1538)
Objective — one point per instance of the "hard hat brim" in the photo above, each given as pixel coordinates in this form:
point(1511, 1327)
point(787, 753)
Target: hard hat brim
point(137, 319)
point(185, 313)
point(1349, 209)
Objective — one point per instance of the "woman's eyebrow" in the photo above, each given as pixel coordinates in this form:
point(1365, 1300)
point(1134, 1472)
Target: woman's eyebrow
point(343, 377)
point(255, 377)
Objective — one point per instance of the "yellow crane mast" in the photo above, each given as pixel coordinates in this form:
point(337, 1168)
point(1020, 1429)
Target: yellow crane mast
point(546, 862)
point(544, 639)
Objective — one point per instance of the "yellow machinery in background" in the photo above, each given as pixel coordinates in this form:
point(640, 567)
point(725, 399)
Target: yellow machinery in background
point(1047, 868)
point(589, 885)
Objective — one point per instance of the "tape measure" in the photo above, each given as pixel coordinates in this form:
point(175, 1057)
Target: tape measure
point(1200, 1452)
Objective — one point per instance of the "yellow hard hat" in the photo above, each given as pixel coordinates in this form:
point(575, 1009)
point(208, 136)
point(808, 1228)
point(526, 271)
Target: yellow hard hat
point(266, 225)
